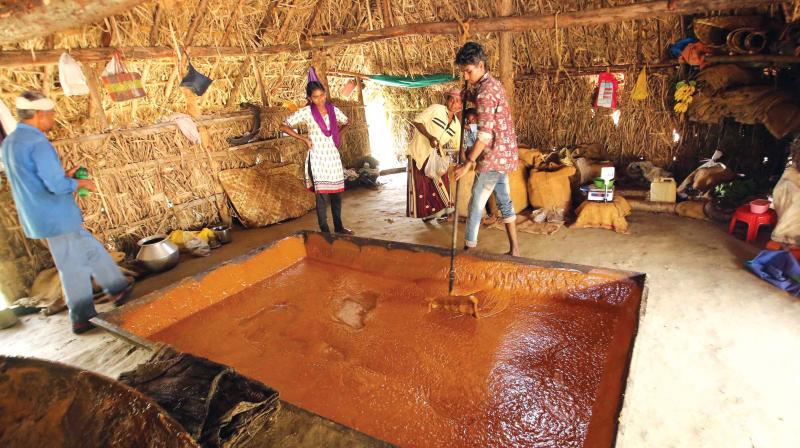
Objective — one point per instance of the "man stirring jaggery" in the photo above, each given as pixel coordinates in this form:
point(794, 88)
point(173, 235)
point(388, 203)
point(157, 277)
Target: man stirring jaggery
point(495, 153)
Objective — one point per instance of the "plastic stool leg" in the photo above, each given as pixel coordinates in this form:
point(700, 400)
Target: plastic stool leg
point(732, 226)
point(752, 232)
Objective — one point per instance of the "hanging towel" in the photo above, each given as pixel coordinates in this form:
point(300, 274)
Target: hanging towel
point(187, 126)
point(71, 76)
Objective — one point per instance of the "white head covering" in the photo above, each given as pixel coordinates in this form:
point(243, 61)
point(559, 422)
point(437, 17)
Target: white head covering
point(23, 103)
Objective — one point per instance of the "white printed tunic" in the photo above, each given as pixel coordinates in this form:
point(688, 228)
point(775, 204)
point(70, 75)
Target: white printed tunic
point(323, 165)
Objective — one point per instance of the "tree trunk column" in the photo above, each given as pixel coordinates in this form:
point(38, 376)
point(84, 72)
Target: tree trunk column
point(506, 55)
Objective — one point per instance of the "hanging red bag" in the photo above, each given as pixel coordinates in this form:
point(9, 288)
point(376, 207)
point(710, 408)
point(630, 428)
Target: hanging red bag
point(607, 90)
point(121, 84)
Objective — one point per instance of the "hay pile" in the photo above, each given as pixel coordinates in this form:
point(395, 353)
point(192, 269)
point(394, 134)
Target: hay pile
point(777, 109)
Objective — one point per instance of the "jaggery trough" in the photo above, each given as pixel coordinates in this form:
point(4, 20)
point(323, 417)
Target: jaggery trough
point(341, 326)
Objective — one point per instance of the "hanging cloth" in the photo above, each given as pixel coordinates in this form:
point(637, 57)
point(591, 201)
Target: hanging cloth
point(641, 90)
point(71, 77)
point(312, 75)
point(187, 126)
point(327, 131)
point(413, 82)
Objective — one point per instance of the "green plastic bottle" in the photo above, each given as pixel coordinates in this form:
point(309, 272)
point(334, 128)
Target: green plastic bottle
point(82, 173)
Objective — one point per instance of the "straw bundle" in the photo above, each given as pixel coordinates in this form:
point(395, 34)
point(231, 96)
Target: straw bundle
point(724, 76)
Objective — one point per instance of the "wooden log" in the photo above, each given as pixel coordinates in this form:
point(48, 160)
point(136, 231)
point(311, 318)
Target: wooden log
point(654, 207)
point(596, 69)
point(96, 98)
point(260, 82)
point(590, 17)
point(506, 8)
point(234, 93)
point(157, 14)
point(23, 19)
point(229, 27)
point(47, 76)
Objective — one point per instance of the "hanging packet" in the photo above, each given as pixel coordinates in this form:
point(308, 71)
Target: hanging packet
point(71, 77)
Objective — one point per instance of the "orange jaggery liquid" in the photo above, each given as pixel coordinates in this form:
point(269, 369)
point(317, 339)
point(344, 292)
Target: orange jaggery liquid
point(365, 350)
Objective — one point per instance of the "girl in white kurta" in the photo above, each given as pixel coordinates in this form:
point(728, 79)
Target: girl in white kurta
point(324, 174)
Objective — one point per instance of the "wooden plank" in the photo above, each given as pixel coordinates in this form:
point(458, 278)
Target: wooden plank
point(41, 18)
point(590, 17)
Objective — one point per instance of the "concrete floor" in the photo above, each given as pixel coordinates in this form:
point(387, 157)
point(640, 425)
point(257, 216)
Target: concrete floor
point(716, 361)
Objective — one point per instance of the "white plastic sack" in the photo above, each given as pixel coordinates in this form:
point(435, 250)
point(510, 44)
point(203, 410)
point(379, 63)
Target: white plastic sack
point(112, 68)
point(71, 76)
point(437, 165)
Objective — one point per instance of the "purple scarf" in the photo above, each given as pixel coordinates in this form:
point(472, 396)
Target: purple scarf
point(333, 131)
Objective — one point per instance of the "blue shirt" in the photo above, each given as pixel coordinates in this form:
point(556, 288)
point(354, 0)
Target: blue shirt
point(42, 192)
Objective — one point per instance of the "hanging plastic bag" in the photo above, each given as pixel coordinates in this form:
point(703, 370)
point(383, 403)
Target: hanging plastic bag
point(71, 77)
point(607, 89)
point(437, 165)
point(641, 90)
point(121, 84)
point(195, 81)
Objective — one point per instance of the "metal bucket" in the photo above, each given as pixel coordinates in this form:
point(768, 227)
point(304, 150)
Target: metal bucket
point(223, 234)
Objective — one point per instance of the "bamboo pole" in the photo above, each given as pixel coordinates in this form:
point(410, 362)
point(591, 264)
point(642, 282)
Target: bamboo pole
point(506, 8)
point(590, 17)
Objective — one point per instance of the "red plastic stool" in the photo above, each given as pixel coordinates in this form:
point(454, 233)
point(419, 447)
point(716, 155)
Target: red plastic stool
point(753, 220)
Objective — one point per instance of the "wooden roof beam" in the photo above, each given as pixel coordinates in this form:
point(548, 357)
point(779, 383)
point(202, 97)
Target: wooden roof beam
point(24, 19)
point(591, 17)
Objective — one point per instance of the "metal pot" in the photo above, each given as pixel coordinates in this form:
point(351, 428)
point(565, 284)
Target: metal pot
point(157, 253)
point(223, 234)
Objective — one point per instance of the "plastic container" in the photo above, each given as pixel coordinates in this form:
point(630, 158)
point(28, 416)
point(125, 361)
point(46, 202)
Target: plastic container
point(82, 173)
point(759, 206)
point(599, 182)
point(663, 190)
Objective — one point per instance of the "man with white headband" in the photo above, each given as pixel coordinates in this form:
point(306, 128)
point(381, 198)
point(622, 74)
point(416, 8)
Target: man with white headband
point(43, 194)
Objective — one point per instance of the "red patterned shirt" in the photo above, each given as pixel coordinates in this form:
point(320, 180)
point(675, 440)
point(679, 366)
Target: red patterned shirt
point(495, 127)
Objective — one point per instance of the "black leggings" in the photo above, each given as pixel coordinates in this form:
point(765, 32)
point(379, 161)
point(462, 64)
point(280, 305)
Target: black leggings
point(336, 211)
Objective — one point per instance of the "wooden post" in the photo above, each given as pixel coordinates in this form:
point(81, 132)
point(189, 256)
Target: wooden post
point(234, 95)
point(156, 23)
point(95, 97)
point(320, 60)
point(360, 85)
point(506, 8)
point(260, 83)
point(47, 76)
